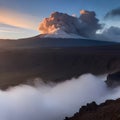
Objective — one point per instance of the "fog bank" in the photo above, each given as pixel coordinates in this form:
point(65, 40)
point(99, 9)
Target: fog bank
point(53, 101)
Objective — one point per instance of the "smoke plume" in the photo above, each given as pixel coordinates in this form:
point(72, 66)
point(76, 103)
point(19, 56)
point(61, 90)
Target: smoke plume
point(90, 22)
point(86, 25)
point(53, 101)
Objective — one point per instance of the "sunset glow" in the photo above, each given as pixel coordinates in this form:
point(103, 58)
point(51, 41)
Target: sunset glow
point(29, 16)
point(17, 19)
point(83, 12)
point(59, 59)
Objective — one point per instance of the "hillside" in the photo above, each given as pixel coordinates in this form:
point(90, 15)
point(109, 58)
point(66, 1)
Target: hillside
point(27, 59)
point(110, 110)
point(41, 42)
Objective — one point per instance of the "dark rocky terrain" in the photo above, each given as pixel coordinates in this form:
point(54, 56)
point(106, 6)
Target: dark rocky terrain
point(110, 110)
point(113, 80)
point(51, 60)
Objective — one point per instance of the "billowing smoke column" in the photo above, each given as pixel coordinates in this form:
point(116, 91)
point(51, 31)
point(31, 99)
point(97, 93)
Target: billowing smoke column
point(60, 21)
point(86, 25)
point(90, 23)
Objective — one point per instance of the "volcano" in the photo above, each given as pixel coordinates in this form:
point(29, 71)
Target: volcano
point(55, 59)
point(47, 41)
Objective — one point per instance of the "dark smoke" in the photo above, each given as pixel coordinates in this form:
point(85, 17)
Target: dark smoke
point(91, 23)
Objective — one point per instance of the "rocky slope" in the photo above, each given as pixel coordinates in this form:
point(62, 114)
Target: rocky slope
point(110, 110)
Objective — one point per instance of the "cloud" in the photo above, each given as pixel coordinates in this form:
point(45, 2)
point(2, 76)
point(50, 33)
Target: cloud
point(91, 23)
point(15, 25)
point(113, 31)
point(86, 25)
point(10, 29)
point(53, 101)
point(13, 18)
point(113, 13)
point(110, 34)
point(13, 32)
point(58, 21)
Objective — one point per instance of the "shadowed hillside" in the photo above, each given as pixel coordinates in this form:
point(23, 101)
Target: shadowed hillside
point(26, 59)
point(18, 66)
point(41, 42)
point(110, 110)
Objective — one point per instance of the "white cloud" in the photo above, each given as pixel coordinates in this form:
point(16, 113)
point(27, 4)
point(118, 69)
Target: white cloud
point(53, 101)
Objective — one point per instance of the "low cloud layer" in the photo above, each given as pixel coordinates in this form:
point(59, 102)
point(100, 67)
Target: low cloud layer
point(86, 25)
point(12, 32)
point(112, 33)
point(53, 101)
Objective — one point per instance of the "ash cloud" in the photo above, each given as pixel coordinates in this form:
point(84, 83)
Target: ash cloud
point(58, 21)
point(53, 101)
point(113, 13)
point(90, 22)
point(86, 25)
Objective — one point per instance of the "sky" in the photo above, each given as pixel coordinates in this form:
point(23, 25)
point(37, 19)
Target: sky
point(21, 18)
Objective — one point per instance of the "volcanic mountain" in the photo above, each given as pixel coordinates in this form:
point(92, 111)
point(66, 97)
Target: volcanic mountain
point(47, 41)
point(55, 59)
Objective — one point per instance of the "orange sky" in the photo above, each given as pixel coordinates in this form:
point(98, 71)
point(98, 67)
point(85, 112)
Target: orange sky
point(14, 25)
point(18, 19)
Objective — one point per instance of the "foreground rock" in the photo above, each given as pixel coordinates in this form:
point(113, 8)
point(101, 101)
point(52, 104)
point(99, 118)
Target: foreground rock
point(110, 110)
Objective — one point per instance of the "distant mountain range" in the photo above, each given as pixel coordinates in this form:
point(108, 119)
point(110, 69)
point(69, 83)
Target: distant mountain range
point(55, 59)
point(41, 41)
